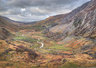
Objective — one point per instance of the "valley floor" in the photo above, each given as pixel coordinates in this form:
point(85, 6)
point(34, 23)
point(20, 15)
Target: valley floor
point(31, 49)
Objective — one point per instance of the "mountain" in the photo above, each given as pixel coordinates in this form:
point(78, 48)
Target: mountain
point(77, 29)
point(62, 18)
point(6, 27)
point(79, 22)
point(8, 23)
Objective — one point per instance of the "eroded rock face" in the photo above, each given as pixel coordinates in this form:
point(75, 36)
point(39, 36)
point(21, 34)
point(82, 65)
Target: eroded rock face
point(80, 22)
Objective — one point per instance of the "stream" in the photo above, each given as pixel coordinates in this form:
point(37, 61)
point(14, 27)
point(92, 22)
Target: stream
point(42, 44)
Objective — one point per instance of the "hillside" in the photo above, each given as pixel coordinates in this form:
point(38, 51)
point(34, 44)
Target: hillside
point(59, 19)
point(77, 29)
point(7, 23)
point(80, 21)
point(7, 27)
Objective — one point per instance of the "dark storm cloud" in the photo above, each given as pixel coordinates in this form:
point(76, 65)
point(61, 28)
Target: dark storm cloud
point(36, 9)
point(27, 3)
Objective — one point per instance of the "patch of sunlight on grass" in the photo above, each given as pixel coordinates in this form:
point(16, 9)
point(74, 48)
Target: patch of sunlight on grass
point(19, 37)
point(43, 50)
point(26, 39)
point(36, 46)
point(59, 47)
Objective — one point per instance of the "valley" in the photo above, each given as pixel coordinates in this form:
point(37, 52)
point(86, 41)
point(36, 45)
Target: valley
point(32, 48)
point(32, 40)
point(61, 41)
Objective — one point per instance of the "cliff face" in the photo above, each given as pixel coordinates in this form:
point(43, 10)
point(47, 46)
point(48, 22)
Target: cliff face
point(79, 22)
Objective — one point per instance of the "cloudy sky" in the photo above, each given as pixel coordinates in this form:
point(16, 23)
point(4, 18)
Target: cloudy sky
point(34, 10)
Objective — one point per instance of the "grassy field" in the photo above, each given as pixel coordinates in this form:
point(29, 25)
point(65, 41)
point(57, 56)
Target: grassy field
point(59, 47)
point(26, 39)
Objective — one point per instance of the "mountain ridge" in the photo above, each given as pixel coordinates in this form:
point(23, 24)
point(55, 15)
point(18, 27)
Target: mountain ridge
point(71, 24)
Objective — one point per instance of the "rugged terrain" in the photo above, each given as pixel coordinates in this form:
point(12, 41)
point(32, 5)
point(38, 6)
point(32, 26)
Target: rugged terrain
point(61, 41)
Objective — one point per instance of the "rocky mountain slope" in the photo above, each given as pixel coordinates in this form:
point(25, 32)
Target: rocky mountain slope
point(62, 18)
point(81, 22)
point(77, 28)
